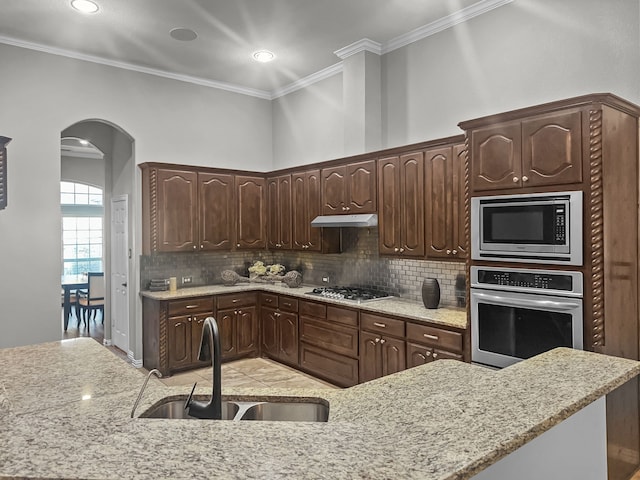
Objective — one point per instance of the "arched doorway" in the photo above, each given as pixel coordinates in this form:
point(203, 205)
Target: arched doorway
point(100, 154)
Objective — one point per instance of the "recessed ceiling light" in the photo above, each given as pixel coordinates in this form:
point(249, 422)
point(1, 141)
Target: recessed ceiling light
point(83, 142)
point(263, 56)
point(85, 6)
point(183, 34)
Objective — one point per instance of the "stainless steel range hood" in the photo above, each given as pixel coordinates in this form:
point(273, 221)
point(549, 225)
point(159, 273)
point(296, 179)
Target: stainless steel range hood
point(361, 220)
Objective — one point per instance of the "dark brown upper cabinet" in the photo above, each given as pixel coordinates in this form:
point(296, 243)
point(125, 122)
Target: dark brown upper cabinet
point(349, 189)
point(184, 210)
point(543, 150)
point(251, 226)
point(279, 206)
point(401, 205)
point(444, 202)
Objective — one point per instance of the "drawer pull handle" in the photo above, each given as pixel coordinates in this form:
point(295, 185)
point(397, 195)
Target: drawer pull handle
point(430, 337)
point(191, 306)
point(286, 304)
point(268, 300)
point(235, 300)
point(380, 325)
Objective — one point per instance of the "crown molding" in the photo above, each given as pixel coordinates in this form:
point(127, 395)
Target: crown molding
point(137, 68)
point(364, 45)
point(444, 23)
point(334, 69)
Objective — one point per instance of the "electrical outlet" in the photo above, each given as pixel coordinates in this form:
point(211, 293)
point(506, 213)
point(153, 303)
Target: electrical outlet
point(186, 280)
point(325, 279)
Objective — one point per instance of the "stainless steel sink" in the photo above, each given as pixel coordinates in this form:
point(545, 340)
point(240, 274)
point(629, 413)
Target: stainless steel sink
point(172, 408)
point(287, 411)
point(266, 409)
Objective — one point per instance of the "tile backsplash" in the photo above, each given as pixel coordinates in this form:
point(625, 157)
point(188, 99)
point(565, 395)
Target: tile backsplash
point(358, 265)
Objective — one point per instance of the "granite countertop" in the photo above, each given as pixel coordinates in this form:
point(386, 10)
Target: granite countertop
point(442, 421)
point(446, 316)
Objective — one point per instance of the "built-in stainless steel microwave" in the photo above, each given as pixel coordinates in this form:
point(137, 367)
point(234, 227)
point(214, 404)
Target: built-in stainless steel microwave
point(531, 228)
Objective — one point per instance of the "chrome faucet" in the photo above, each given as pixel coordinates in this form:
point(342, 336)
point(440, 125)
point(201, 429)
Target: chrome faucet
point(209, 351)
point(155, 372)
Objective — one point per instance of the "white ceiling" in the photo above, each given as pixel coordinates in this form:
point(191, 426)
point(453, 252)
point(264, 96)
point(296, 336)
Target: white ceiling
point(304, 34)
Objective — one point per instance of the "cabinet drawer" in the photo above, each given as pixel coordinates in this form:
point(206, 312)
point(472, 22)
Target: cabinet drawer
point(376, 323)
point(268, 300)
point(436, 337)
point(190, 305)
point(336, 368)
point(288, 304)
point(312, 309)
point(342, 315)
point(236, 300)
point(334, 337)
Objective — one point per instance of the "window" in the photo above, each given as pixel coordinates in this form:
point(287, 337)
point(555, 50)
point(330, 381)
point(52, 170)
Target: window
point(82, 226)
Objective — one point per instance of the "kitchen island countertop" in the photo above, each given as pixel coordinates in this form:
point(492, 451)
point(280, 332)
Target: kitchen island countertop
point(445, 420)
point(447, 316)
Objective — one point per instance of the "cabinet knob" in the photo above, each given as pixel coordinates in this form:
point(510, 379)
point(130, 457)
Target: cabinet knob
point(377, 340)
point(347, 208)
point(382, 340)
point(194, 247)
point(448, 252)
point(435, 355)
point(455, 252)
point(402, 250)
point(525, 178)
point(428, 353)
point(238, 245)
point(239, 312)
point(201, 245)
point(235, 312)
point(396, 249)
point(515, 179)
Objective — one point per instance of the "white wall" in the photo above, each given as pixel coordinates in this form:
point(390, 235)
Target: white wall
point(170, 121)
point(521, 54)
point(308, 125)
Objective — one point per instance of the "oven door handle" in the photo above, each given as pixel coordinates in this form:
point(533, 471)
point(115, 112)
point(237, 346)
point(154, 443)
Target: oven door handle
point(523, 302)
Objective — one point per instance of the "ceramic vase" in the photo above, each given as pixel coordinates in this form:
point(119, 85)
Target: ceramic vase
point(430, 292)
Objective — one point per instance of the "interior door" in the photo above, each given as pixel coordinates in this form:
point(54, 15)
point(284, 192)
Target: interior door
point(120, 273)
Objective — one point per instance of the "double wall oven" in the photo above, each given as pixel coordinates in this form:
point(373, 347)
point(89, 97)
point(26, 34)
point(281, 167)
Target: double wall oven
point(520, 311)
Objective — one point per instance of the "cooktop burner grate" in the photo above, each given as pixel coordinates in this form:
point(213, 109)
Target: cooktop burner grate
point(355, 294)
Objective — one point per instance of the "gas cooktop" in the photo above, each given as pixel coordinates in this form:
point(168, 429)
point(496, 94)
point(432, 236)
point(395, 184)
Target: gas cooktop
point(354, 294)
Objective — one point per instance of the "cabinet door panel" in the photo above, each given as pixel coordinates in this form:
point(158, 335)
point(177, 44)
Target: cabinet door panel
point(251, 212)
point(269, 328)
point(247, 330)
point(552, 149)
point(273, 213)
point(197, 323)
point(412, 204)
point(226, 325)
point(288, 324)
point(216, 199)
point(361, 187)
point(497, 157)
point(333, 190)
point(393, 355)
point(438, 202)
point(313, 202)
point(389, 223)
point(179, 342)
point(177, 210)
point(418, 355)
point(370, 357)
point(284, 204)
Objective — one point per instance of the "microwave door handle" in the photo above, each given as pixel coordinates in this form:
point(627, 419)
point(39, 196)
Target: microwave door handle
point(522, 302)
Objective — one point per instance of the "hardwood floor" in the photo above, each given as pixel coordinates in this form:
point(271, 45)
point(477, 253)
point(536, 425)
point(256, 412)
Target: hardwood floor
point(93, 328)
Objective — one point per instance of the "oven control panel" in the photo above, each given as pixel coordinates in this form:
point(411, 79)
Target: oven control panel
point(526, 280)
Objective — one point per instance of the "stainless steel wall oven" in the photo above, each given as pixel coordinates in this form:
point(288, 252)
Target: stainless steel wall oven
point(519, 313)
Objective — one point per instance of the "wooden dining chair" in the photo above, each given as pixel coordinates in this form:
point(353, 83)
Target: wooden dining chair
point(92, 299)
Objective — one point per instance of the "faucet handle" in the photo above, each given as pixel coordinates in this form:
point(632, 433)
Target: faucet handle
point(190, 397)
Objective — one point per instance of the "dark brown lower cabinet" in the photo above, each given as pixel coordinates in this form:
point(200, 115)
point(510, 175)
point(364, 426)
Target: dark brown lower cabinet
point(172, 331)
point(238, 331)
point(329, 349)
point(380, 356)
point(279, 335)
point(420, 354)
